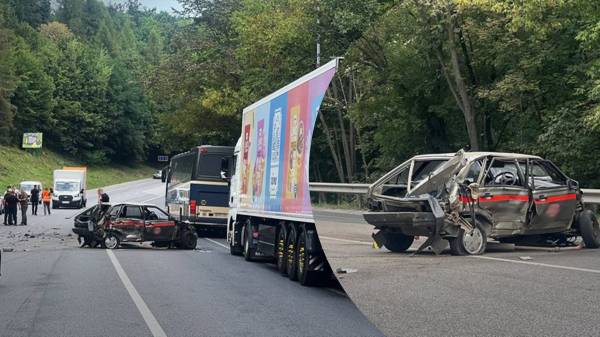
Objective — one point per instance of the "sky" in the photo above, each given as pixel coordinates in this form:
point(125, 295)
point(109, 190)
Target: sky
point(161, 5)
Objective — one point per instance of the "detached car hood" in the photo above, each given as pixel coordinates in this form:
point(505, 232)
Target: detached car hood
point(441, 176)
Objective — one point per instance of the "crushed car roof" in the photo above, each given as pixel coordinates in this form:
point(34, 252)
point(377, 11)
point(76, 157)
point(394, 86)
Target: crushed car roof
point(478, 154)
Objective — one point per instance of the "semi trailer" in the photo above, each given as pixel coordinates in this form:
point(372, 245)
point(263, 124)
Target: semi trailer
point(270, 215)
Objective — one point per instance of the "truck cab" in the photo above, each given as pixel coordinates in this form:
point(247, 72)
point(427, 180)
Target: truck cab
point(69, 188)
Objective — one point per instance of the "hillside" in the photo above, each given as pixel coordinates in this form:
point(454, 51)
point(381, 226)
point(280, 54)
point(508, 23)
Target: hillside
point(17, 165)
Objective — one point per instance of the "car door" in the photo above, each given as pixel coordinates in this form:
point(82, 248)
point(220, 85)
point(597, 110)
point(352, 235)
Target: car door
point(504, 194)
point(131, 223)
point(554, 202)
point(157, 225)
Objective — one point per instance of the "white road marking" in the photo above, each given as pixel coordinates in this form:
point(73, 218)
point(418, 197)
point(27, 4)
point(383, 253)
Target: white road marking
point(217, 243)
point(345, 240)
point(586, 270)
point(147, 201)
point(147, 315)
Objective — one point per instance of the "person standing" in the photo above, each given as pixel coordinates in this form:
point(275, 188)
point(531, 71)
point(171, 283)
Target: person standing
point(46, 199)
point(11, 201)
point(8, 188)
point(24, 204)
point(35, 199)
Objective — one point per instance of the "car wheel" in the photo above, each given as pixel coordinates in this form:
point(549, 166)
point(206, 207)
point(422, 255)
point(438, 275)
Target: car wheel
point(248, 249)
point(111, 241)
point(292, 254)
point(589, 229)
point(466, 243)
point(281, 250)
point(396, 241)
point(83, 241)
point(188, 240)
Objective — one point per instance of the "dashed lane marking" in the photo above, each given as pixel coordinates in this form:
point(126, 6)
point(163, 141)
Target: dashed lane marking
point(345, 240)
point(151, 322)
point(217, 243)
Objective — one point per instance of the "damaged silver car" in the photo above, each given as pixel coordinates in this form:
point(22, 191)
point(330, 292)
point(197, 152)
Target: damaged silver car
point(467, 198)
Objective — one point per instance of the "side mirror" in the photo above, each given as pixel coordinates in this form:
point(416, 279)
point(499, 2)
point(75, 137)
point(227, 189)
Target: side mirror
point(225, 168)
point(572, 184)
point(474, 189)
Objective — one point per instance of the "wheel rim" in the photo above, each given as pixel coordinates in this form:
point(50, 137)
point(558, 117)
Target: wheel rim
point(473, 242)
point(111, 242)
point(290, 253)
point(281, 248)
point(301, 256)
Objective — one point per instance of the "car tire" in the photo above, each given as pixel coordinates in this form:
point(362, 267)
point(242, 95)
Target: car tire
point(248, 251)
point(292, 254)
point(305, 276)
point(188, 240)
point(83, 241)
point(111, 241)
point(469, 244)
point(397, 242)
point(281, 251)
point(589, 229)
point(54, 205)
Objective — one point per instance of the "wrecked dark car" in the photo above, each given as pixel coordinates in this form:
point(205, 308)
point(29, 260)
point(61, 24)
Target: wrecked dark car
point(109, 226)
point(467, 198)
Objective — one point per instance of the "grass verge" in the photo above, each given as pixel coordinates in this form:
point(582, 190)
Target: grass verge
point(17, 165)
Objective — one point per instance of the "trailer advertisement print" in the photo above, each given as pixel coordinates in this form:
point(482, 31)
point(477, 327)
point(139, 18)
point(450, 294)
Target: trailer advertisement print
point(277, 180)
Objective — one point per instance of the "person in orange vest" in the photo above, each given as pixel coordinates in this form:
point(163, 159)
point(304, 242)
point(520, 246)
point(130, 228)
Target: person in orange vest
point(46, 199)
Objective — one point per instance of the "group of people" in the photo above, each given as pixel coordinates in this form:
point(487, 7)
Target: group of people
point(15, 199)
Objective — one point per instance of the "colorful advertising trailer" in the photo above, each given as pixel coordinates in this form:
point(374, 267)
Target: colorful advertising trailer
point(270, 210)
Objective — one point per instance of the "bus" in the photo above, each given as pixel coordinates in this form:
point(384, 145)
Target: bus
point(197, 190)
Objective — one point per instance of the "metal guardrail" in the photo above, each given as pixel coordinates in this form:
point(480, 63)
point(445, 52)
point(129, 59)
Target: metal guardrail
point(590, 196)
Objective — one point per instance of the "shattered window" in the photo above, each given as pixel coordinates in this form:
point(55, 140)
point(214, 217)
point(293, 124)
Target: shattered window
point(503, 173)
point(474, 171)
point(422, 169)
point(544, 175)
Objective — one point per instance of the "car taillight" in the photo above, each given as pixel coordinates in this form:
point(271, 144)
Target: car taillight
point(193, 207)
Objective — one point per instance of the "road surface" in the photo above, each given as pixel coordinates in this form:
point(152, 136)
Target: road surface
point(509, 291)
point(50, 287)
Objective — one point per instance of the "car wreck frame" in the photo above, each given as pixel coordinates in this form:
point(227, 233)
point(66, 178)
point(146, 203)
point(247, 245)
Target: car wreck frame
point(468, 197)
point(109, 226)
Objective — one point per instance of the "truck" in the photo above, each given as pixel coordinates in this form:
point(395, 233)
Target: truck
point(69, 187)
point(195, 192)
point(270, 214)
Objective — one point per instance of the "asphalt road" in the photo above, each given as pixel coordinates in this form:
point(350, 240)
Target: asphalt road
point(50, 287)
point(509, 291)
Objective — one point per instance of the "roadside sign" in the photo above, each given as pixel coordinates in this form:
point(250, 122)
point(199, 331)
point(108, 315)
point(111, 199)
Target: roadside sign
point(33, 140)
point(163, 159)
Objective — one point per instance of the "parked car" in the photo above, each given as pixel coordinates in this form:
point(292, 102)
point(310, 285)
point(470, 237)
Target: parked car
point(111, 226)
point(469, 197)
point(27, 186)
point(157, 175)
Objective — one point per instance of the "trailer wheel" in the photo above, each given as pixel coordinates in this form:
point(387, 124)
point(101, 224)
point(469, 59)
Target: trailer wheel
point(292, 254)
point(396, 241)
point(281, 250)
point(469, 243)
point(305, 276)
point(589, 228)
point(247, 237)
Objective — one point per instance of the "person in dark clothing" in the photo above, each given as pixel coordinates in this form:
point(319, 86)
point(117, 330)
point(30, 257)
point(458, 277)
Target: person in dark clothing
point(11, 201)
point(4, 202)
point(23, 203)
point(35, 199)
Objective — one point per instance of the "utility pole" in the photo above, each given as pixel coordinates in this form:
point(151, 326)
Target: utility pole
point(318, 35)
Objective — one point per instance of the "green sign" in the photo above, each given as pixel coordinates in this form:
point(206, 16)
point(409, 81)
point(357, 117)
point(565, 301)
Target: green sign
point(33, 140)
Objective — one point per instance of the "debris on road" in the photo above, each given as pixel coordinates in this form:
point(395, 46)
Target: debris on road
point(345, 270)
point(525, 258)
point(8, 250)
